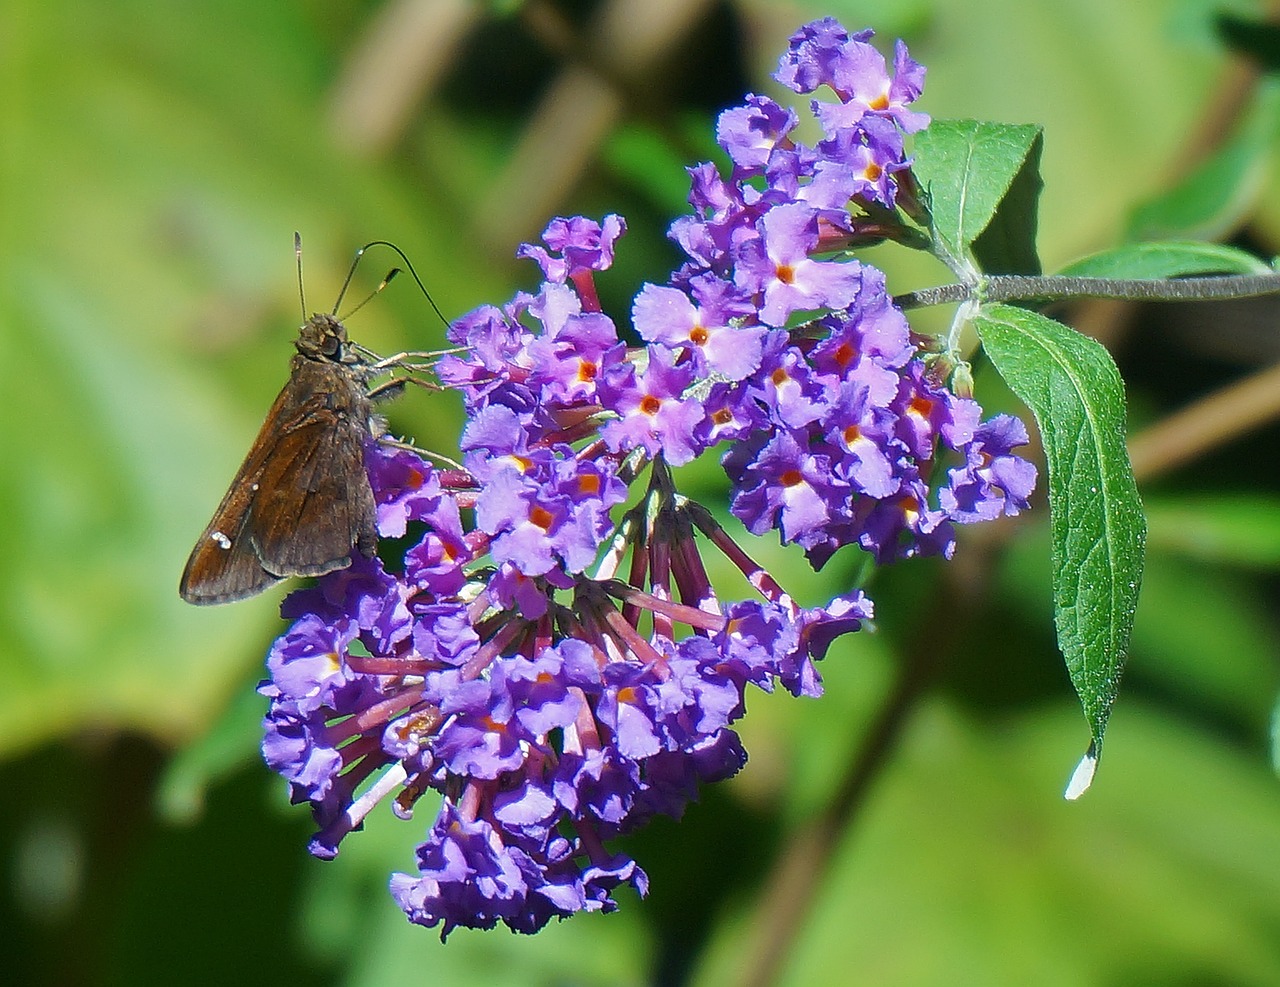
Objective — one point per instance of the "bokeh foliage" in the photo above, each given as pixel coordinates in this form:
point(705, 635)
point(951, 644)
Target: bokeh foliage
point(156, 159)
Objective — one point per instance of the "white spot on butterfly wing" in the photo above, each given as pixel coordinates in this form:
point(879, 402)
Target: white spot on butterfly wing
point(221, 540)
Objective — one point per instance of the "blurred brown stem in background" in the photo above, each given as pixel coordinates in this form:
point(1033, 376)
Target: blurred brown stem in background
point(402, 56)
point(1207, 423)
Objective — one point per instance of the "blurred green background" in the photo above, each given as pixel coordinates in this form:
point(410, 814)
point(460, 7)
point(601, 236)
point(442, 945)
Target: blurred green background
point(157, 159)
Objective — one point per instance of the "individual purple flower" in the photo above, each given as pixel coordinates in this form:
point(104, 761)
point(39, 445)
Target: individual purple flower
point(777, 266)
point(630, 708)
point(823, 53)
point(786, 387)
point(547, 692)
point(305, 663)
point(496, 438)
point(868, 454)
point(751, 133)
point(787, 486)
point(363, 593)
point(438, 562)
point(565, 366)
point(869, 155)
point(702, 326)
point(992, 481)
point(511, 589)
point(820, 626)
point(473, 742)
point(404, 487)
point(466, 877)
point(523, 526)
point(574, 246)
point(730, 413)
point(443, 633)
point(904, 526)
point(654, 411)
point(721, 219)
point(928, 412)
point(815, 54)
point(598, 784)
point(868, 341)
point(906, 87)
point(599, 880)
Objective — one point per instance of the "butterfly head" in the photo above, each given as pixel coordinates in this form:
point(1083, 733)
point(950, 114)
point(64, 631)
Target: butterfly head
point(322, 337)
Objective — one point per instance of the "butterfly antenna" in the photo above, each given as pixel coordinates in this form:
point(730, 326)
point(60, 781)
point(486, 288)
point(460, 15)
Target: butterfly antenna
point(351, 273)
point(368, 298)
point(297, 250)
point(414, 274)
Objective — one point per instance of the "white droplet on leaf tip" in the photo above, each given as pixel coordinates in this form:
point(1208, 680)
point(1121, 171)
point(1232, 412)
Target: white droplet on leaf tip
point(1081, 778)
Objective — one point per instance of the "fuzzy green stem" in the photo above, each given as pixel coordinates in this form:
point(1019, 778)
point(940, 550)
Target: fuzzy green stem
point(1009, 287)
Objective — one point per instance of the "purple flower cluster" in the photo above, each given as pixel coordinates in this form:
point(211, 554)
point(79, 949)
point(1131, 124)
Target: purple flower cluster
point(838, 423)
point(555, 663)
point(549, 724)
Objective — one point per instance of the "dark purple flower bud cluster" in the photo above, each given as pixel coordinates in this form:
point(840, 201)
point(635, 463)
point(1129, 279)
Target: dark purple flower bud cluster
point(549, 654)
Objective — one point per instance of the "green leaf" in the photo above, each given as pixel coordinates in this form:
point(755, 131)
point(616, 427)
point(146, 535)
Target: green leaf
point(982, 177)
point(1166, 259)
point(1008, 244)
point(1075, 392)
